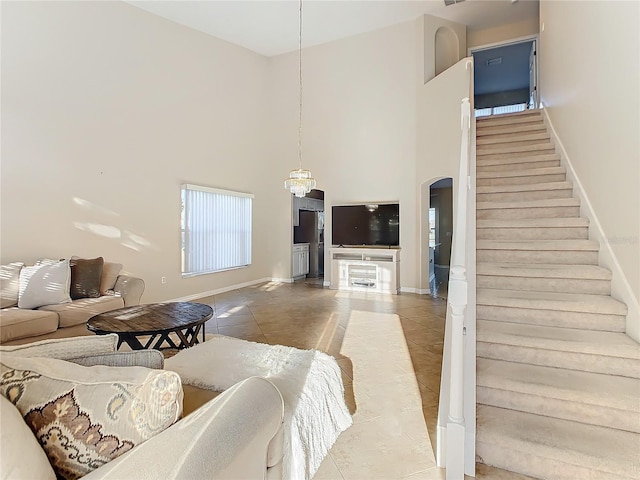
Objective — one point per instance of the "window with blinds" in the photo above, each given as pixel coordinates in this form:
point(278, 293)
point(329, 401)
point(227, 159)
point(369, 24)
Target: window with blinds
point(216, 230)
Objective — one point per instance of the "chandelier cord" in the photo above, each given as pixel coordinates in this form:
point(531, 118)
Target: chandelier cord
point(300, 87)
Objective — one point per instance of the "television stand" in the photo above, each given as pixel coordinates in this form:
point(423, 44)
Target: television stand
point(365, 269)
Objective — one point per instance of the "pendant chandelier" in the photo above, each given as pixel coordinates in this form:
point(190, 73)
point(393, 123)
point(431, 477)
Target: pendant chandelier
point(300, 182)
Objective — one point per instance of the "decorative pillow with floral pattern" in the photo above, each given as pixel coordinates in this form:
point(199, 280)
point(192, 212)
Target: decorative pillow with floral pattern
point(84, 417)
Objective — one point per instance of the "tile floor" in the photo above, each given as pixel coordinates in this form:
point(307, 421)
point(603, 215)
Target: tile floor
point(389, 348)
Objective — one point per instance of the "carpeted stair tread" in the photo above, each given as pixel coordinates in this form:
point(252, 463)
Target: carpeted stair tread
point(561, 222)
point(544, 203)
point(505, 140)
point(489, 130)
point(540, 245)
point(541, 146)
point(527, 187)
point(567, 302)
point(541, 270)
point(523, 173)
point(540, 157)
point(606, 344)
point(562, 384)
point(574, 444)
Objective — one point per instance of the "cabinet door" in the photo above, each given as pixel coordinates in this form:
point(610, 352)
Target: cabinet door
point(296, 264)
point(295, 211)
point(305, 263)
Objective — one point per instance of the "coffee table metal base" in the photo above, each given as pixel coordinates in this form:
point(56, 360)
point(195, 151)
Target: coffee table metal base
point(187, 337)
point(161, 326)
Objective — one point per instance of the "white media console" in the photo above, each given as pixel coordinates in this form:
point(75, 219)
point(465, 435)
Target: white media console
point(365, 269)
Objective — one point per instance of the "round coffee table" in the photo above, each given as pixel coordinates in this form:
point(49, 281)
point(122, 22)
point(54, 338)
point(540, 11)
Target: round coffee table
point(157, 320)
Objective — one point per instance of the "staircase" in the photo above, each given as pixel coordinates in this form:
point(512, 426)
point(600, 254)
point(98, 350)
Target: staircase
point(558, 380)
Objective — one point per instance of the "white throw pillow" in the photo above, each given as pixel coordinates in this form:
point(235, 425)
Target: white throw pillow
point(46, 284)
point(10, 284)
point(22, 456)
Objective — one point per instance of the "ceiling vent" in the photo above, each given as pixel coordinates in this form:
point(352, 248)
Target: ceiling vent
point(494, 61)
point(451, 2)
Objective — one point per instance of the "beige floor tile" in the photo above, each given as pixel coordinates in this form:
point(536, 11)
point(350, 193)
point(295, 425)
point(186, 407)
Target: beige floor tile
point(233, 320)
point(328, 470)
point(431, 474)
point(240, 331)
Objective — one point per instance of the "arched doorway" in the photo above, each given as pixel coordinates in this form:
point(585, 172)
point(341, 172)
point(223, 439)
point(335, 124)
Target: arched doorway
point(436, 234)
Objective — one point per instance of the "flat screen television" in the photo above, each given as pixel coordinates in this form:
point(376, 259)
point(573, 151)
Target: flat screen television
point(370, 225)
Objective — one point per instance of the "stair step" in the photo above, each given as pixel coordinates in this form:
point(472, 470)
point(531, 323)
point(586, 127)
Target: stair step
point(542, 157)
point(533, 229)
point(531, 191)
point(568, 302)
point(509, 119)
point(515, 137)
point(609, 353)
point(584, 279)
point(509, 167)
point(559, 393)
point(490, 130)
point(545, 208)
point(554, 449)
point(501, 306)
point(567, 252)
point(521, 177)
point(521, 147)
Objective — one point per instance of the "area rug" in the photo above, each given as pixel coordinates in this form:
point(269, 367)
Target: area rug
point(309, 381)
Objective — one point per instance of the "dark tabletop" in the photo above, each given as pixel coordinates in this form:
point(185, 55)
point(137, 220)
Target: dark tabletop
point(151, 318)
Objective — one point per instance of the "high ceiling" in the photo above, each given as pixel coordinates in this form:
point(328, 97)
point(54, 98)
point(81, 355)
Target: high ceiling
point(270, 27)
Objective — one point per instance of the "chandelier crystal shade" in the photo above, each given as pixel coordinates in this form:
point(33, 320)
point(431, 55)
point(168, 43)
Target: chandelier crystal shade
point(300, 182)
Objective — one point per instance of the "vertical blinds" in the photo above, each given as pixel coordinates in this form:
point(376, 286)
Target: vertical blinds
point(216, 229)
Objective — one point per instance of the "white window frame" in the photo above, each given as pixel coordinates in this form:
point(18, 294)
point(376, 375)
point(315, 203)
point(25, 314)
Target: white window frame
point(231, 232)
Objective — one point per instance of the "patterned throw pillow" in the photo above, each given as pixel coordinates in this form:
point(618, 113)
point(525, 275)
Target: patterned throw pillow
point(83, 417)
point(85, 277)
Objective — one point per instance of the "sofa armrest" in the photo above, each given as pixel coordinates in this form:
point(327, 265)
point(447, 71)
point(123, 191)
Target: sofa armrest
point(130, 289)
point(228, 437)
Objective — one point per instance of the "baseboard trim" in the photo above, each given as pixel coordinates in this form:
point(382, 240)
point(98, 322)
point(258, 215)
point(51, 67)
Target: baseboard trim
point(423, 291)
point(409, 290)
point(229, 288)
point(620, 288)
point(326, 284)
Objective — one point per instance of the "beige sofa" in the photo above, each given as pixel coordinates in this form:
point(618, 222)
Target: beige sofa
point(236, 435)
point(25, 325)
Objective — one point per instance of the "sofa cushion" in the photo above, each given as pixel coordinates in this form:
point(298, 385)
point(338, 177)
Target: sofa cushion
point(22, 455)
point(86, 416)
point(65, 348)
point(10, 284)
point(44, 284)
point(110, 272)
point(85, 277)
point(16, 323)
point(79, 311)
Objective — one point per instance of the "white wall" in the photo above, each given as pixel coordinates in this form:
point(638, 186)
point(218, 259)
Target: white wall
point(358, 127)
point(106, 110)
point(503, 33)
point(590, 84)
point(428, 26)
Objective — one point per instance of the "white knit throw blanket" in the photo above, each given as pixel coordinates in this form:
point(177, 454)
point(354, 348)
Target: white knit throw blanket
point(309, 381)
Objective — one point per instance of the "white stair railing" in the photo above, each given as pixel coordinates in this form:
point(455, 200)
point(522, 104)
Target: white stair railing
point(458, 313)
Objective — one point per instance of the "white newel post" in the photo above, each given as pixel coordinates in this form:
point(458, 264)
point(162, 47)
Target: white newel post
point(457, 299)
